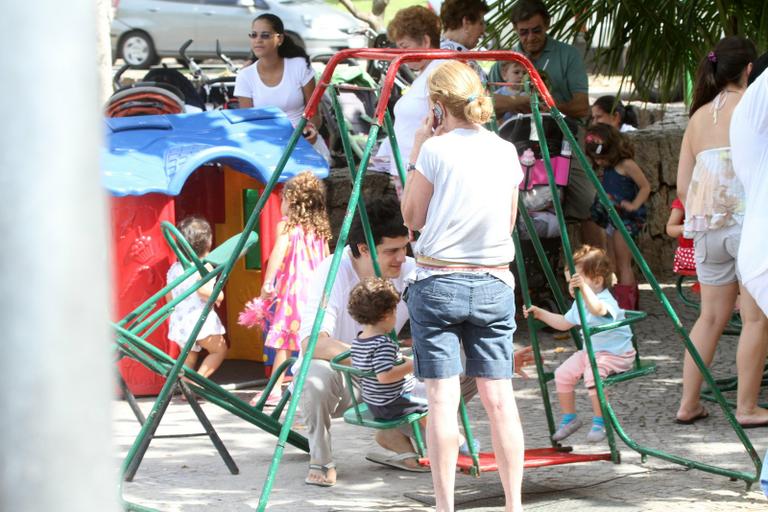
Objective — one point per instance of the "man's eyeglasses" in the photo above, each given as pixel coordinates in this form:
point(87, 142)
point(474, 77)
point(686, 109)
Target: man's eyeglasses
point(524, 32)
point(261, 35)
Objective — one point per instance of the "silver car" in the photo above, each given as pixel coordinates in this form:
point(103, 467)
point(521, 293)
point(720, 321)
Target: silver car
point(144, 31)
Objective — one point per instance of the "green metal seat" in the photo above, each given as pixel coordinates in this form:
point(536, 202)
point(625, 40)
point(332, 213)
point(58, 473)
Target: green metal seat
point(359, 414)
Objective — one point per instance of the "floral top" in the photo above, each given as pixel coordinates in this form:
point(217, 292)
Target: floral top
point(715, 195)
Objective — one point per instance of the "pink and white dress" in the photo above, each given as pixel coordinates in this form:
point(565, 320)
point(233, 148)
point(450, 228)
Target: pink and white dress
point(305, 252)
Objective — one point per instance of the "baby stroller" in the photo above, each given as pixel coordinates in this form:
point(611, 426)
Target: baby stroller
point(537, 197)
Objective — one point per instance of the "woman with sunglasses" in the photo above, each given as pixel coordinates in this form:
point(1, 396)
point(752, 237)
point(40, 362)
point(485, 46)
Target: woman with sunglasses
point(280, 77)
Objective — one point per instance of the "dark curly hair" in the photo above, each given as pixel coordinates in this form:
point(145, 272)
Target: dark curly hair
point(372, 299)
point(453, 12)
point(385, 219)
point(198, 233)
point(605, 142)
point(415, 22)
point(594, 263)
point(305, 198)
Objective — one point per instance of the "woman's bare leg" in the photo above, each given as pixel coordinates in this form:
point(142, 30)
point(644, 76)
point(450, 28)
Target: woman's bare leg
point(442, 438)
point(716, 309)
point(507, 434)
point(750, 360)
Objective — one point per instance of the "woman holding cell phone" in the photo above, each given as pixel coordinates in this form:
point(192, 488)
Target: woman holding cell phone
point(461, 194)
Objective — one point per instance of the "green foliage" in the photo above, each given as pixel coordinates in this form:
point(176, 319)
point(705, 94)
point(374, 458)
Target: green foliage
point(652, 41)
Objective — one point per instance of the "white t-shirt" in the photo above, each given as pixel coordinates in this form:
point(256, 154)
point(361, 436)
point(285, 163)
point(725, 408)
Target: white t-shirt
point(474, 173)
point(410, 111)
point(337, 322)
point(288, 95)
point(749, 153)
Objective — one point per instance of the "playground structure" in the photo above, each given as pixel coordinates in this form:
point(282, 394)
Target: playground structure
point(131, 330)
point(160, 169)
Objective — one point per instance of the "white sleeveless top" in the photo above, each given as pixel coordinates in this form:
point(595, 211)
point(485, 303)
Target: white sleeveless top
point(715, 196)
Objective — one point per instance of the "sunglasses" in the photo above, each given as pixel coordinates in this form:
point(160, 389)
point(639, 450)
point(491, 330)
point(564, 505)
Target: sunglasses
point(261, 35)
point(523, 32)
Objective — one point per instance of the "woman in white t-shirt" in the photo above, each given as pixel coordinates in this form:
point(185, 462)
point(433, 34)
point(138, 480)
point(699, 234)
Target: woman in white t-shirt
point(412, 28)
point(281, 77)
point(461, 194)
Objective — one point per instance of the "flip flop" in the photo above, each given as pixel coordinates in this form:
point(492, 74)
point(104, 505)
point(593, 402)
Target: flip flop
point(397, 461)
point(323, 468)
point(703, 413)
point(754, 425)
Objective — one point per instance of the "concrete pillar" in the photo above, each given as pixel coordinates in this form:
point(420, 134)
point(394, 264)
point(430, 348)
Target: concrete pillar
point(55, 369)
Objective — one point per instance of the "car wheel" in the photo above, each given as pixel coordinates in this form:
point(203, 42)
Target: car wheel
point(136, 49)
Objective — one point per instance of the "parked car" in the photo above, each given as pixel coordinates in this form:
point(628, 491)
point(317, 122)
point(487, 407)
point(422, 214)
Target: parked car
point(144, 31)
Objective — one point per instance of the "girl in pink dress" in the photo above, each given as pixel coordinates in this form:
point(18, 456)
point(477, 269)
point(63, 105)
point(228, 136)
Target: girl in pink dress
point(302, 243)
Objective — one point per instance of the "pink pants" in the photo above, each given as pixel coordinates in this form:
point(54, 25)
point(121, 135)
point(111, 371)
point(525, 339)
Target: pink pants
point(577, 366)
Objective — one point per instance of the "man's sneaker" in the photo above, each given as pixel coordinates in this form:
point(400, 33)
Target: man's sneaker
point(596, 434)
point(566, 429)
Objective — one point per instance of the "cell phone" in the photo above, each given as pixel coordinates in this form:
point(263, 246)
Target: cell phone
point(437, 116)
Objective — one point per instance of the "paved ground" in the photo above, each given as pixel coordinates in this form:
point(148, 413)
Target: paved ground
point(186, 474)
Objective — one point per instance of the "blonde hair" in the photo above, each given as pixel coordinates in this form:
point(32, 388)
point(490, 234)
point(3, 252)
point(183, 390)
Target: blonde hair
point(458, 88)
point(305, 198)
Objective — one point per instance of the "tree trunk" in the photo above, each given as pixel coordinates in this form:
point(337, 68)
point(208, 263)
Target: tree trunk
point(374, 19)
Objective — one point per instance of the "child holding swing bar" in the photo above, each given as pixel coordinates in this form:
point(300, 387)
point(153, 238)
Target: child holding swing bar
point(613, 349)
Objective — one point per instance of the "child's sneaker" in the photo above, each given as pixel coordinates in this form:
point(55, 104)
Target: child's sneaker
point(464, 448)
point(567, 427)
point(597, 432)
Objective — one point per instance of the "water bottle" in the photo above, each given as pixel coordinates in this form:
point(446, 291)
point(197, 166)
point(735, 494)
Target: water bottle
point(565, 149)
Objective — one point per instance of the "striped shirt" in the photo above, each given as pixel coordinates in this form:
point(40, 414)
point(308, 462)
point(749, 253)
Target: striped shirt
point(378, 354)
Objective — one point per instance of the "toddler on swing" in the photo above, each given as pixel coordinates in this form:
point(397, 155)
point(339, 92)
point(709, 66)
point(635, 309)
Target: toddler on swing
point(613, 349)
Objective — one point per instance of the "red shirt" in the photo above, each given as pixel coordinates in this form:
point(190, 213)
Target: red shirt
point(681, 240)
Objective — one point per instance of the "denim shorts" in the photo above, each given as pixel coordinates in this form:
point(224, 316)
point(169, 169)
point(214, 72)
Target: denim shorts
point(473, 309)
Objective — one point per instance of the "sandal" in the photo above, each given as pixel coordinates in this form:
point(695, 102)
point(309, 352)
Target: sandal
point(323, 468)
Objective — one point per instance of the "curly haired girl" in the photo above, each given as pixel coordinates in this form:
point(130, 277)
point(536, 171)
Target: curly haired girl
point(302, 243)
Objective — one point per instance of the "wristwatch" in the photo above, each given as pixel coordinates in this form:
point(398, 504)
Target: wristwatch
point(411, 167)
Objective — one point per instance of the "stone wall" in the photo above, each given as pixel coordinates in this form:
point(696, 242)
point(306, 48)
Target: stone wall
point(657, 148)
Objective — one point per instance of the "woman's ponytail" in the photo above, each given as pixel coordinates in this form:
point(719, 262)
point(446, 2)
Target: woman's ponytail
point(722, 66)
point(288, 49)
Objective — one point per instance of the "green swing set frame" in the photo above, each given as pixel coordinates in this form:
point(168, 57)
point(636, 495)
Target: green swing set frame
point(131, 330)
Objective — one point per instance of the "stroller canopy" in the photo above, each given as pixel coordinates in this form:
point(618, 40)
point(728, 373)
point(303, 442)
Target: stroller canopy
point(158, 153)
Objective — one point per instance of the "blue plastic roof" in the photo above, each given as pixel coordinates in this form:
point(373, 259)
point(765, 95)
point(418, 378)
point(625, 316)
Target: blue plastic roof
point(146, 154)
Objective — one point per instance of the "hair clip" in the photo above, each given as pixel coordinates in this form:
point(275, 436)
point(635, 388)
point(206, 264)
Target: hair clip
point(712, 57)
point(471, 98)
point(599, 149)
point(591, 138)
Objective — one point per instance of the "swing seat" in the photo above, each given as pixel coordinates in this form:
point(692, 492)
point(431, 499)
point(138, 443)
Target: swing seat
point(359, 414)
point(534, 458)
